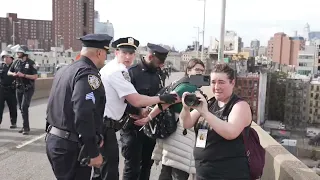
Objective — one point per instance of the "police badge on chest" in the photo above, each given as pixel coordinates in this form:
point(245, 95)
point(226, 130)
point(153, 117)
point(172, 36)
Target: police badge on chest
point(26, 66)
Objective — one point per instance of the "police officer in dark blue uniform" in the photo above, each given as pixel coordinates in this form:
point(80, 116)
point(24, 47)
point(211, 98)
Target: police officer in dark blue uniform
point(136, 146)
point(25, 72)
point(75, 112)
point(7, 89)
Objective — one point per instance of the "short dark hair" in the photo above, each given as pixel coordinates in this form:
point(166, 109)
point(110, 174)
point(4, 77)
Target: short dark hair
point(224, 68)
point(192, 63)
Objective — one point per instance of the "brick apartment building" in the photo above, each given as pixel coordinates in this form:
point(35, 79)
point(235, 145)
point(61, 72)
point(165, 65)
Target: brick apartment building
point(284, 49)
point(36, 34)
point(71, 19)
point(247, 87)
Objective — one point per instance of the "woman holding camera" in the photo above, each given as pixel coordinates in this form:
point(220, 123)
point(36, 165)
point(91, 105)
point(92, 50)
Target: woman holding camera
point(220, 152)
point(176, 152)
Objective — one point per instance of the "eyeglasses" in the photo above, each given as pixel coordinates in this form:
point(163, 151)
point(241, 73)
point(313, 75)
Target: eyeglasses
point(199, 70)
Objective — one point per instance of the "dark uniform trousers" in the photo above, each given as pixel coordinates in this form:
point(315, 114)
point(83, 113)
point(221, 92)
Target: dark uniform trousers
point(137, 150)
point(63, 157)
point(7, 94)
point(24, 99)
point(110, 153)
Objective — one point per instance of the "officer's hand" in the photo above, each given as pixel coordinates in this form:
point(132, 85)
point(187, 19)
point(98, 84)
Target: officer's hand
point(14, 74)
point(20, 74)
point(142, 122)
point(168, 98)
point(96, 162)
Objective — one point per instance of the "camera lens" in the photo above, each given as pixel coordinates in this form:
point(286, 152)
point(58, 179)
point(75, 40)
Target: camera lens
point(191, 100)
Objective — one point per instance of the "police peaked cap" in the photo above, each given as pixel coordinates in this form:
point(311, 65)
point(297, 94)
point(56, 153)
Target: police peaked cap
point(127, 43)
point(160, 52)
point(101, 41)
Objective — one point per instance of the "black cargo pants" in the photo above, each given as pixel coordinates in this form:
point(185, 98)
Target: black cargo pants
point(8, 95)
point(137, 150)
point(24, 99)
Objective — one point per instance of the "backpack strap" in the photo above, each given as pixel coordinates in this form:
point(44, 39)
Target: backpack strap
point(180, 81)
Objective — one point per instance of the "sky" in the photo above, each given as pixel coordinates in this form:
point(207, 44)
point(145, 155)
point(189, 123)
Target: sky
point(172, 22)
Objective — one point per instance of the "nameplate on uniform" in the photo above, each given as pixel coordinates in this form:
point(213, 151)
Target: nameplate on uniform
point(202, 138)
point(94, 82)
point(126, 76)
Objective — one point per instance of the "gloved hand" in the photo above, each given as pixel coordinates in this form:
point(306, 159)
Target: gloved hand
point(168, 98)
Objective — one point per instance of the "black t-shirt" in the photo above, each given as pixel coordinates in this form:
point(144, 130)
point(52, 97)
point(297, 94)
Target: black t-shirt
point(221, 159)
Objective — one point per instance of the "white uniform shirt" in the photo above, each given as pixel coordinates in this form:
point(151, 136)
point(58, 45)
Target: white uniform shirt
point(117, 85)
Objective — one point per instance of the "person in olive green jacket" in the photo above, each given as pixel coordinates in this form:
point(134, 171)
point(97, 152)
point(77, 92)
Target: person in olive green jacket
point(176, 152)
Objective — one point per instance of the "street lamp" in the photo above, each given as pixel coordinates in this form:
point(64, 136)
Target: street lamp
point(204, 22)
point(197, 45)
point(13, 31)
point(222, 31)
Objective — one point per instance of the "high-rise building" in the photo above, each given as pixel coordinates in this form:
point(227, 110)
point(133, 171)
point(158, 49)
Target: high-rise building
point(102, 27)
point(35, 34)
point(71, 19)
point(284, 49)
point(306, 31)
point(255, 44)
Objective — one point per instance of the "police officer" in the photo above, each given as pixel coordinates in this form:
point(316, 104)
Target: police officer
point(136, 146)
point(119, 91)
point(75, 111)
point(25, 72)
point(7, 89)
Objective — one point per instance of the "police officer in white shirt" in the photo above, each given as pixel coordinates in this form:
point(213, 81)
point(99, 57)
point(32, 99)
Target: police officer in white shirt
point(119, 90)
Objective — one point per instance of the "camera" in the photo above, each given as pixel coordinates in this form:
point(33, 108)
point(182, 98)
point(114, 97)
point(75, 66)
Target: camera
point(199, 81)
point(191, 100)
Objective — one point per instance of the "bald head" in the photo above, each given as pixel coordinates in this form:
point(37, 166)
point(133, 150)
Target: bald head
point(96, 55)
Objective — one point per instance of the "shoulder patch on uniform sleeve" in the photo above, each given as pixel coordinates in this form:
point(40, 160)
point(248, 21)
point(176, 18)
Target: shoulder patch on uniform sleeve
point(126, 76)
point(90, 96)
point(94, 82)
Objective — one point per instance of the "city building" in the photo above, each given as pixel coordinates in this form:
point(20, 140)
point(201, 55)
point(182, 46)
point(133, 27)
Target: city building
point(284, 49)
point(262, 51)
point(214, 45)
point(249, 50)
point(275, 96)
point(232, 43)
point(71, 20)
point(36, 34)
point(306, 61)
point(52, 58)
point(296, 103)
point(316, 43)
point(102, 27)
point(247, 87)
point(255, 44)
point(306, 31)
point(314, 105)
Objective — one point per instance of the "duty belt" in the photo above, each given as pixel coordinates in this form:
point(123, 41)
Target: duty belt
point(63, 134)
point(116, 125)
